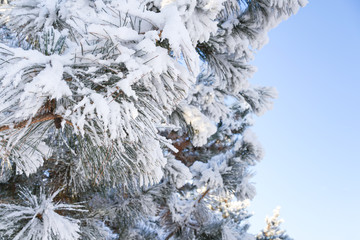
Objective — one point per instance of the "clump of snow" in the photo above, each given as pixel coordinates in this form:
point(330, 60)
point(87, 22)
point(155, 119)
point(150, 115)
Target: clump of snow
point(203, 127)
point(178, 172)
point(49, 82)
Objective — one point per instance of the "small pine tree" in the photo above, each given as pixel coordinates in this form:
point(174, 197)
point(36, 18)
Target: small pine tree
point(130, 119)
point(272, 230)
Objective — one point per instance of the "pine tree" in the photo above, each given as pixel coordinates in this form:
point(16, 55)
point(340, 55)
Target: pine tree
point(131, 119)
point(272, 230)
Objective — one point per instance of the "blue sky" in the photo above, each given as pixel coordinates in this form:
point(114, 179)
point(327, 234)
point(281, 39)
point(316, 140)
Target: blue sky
point(311, 137)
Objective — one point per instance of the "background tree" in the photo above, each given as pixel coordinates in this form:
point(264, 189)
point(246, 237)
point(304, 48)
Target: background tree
point(272, 230)
point(130, 119)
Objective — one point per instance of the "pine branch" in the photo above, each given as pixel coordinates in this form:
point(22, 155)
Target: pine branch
point(198, 201)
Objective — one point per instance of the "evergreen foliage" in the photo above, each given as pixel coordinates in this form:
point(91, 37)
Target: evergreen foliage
point(130, 119)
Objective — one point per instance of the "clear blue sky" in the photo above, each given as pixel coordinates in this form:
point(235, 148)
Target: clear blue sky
point(311, 137)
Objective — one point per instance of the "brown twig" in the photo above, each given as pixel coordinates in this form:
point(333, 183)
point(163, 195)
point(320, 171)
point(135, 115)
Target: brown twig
point(41, 118)
point(170, 235)
point(203, 195)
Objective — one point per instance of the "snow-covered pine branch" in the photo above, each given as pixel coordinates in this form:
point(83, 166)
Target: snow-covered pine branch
point(38, 218)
